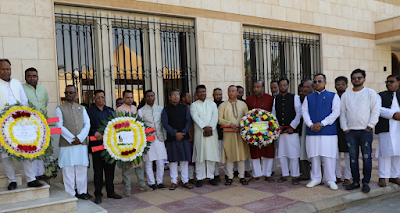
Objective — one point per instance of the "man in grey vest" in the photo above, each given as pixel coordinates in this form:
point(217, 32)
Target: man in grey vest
point(151, 114)
point(73, 159)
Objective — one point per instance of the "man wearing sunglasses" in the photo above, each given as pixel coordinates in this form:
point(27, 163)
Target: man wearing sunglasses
point(388, 130)
point(73, 159)
point(320, 111)
point(359, 113)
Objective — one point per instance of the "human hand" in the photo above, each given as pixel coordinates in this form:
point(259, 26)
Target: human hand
point(368, 129)
point(233, 126)
point(76, 141)
point(396, 116)
point(316, 127)
point(179, 136)
point(290, 130)
point(208, 131)
point(98, 136)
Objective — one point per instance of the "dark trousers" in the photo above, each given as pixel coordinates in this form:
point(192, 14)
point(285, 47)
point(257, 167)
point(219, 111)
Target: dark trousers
point(98, 166)
point(357, 139)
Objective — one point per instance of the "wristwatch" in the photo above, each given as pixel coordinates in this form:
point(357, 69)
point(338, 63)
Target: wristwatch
point(322, 126)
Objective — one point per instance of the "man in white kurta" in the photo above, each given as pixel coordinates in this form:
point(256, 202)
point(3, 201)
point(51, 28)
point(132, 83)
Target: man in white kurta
point(151, 114)
point(320, 111)
point(388, 129)
point(206, 151)
point(15, 93)
point(73, 159)
point(287, 108)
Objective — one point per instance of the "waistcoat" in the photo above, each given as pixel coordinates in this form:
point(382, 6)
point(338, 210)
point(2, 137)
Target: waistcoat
point(72, 120)
point(319, 107)
point(176, 119)
point(387, 99)
point(284, 106)
point(152, 118)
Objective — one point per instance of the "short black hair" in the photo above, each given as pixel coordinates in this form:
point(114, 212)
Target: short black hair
point(238, 87)
point(323, 75)
point(99, 91)
point(71, 86)
point(394, 76)
point(217, 89)
point(174, 90)
point(273, 81)
point(183, 95)
point(126, 91)
point(147, 91)
point(30, 69)
point(118, 99)
point(300, 85)
point(262, 83)
point(283, 79)
point(358, 71)
point(6, 60)
point(341, 78)
point(201, 86)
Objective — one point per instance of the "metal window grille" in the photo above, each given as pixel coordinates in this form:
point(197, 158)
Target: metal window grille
point(274, 55)
point(124, 52)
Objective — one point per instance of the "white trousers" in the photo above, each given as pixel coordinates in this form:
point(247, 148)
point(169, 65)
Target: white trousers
point(275, 162)
point(329, 169)
point(241, 168)
point(10, 172)
point(173, 168)
point(266, 169)
point(72, 173)
point(191, 171)
point(205, 169)
point(294, 166)
point(38, 167)
point(347, 170)
point(159, 171)
point(389, 167)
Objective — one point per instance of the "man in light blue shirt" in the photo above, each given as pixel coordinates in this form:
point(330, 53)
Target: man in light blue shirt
point(39, 97)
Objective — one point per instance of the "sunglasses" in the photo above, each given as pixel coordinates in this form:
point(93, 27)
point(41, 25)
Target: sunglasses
point(318, 81)
point(340, 84)
point(355, 78)
point(69, 93)
point(391, 82)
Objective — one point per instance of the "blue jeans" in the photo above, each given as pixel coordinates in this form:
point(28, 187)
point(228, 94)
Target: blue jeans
point(363, 139)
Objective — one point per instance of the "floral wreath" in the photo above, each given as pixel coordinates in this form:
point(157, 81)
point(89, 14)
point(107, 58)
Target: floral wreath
point(115, 130)
point(17, 125)
point(259, 128)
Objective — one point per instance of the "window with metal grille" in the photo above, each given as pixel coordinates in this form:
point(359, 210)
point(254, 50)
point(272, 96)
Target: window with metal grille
point(272, 54)
point(117, 51)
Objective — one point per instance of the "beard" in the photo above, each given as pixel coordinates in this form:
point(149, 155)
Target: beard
point(340, 91)
point(283, 91)
point(357, 85)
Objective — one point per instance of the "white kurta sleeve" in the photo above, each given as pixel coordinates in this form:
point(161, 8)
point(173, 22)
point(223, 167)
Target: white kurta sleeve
point(297, 107)
point(343, 119)
point(65, 133)
point(306, 115)
point(140, 113)
point(86, 127)
point(24, 99)
point(385, 112)
point(194, 112)
point(214, 116)
point(331, 118)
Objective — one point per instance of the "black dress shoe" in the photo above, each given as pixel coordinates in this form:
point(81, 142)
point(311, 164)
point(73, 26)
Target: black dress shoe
point(82, 196)
point(247, 174)
point(35, 183)
point(97, 199)
point(89, 196)
point(113, 195)
point(12, 186)
point(365, 188)
point(161, 186)
point(154, 186)
point(216, 177)
point(214, 182)
point(199, 183)
point(353, 186)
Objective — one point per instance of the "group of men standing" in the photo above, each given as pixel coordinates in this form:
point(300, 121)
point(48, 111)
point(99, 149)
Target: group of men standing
point(316, 128)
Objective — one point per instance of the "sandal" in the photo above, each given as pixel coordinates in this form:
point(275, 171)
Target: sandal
point(295, 181)
point(270, 179)
point(228, 182)
point(244, 181)
point(173, 186)
point(282, 179)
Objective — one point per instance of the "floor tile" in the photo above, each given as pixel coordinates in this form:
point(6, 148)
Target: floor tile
point(180, 207)
point(152, 209)
point(154, 198)
point(233, 210)
point(238, 195)
point(312, 194)
point(271, 204)
point(206, 204)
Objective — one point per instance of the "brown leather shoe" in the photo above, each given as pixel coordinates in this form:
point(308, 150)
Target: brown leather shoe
point(270, 179)
point(346, 182)
point(338, 180)
point(254, 179)
point(395, 180)
point(187, 185)
point(382, 182)
point(173, 186)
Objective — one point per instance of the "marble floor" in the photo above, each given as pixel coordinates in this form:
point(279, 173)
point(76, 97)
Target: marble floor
point(260, 196)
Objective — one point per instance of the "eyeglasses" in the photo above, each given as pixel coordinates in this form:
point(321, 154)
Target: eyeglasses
point(69, 93)
point(391, 82)
point(318, 81)
point(355, 78)
point(340, 84)
point(98, 97)
point(283, 85)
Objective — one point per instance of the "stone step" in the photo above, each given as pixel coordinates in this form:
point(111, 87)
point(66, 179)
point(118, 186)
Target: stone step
point(23, 193)
point(4, 180)
point(59, 201)
point(84, 206)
